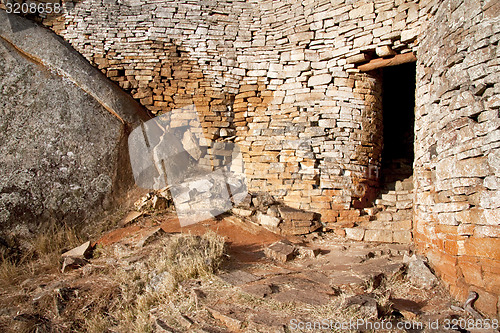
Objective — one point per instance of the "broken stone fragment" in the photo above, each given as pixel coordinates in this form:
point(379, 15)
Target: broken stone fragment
point(72, 263)
point(308, 252)
point(246, 203)
point(82, 251)
point(273, 211)
point(320, 79)
point(191, 146)
point(268, 221)
point(233, 324)
point(292, 214)
point(365, 305)
point(159, 203)
point(242, 212)
point(419, 274)
point(281, 251)
point(384, 51)
point(157, 200)
point(161, 326)
point(358, 58)
point(262, 200)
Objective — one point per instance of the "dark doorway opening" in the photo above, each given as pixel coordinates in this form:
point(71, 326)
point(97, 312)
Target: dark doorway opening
point(398, 104)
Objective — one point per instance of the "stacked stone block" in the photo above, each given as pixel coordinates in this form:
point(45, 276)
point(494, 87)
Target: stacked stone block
point(281, 79)
point(457, 215)
point(390, 219)
point(277, 77)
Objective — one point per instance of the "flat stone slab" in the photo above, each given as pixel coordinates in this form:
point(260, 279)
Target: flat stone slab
point(280, 251)
point(259, 290)
point(82, 251)
point(237, 278)
point(292, 214)
point(297, 295)
point(345, 279)
point(297, 287)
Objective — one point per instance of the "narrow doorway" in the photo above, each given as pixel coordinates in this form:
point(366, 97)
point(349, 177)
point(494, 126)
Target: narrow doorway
point(398, 105)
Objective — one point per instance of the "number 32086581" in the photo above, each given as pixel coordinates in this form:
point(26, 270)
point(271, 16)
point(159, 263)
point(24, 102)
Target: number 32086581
point(33, 8)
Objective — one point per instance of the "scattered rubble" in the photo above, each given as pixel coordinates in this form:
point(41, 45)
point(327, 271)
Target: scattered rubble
point(264, 210)
point(343, 279)
point(76, 257)
point(154, 200)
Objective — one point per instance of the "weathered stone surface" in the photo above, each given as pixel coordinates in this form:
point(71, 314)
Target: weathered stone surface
point(259, 290)
point(64, 153)
point(242, 212)
point(292, 214)
point(384, 51)
point(280, 251)
point(384, 236)
point(364, 304)
point(82, 251)
point(239, 277)
point(233, 324)
point(308, 252)
point(358, 58)
point(420, 275)
point(260, 78)
point(267, 220)
point(319, 80)
point(355, 233)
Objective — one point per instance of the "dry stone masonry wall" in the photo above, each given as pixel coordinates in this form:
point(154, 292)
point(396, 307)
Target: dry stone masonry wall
point(288, 81)
point(457, 156)
point(280, 76)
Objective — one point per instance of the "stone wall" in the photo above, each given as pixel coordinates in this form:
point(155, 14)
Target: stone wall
point(280, 76)
point(457, 156)
point(281, 79)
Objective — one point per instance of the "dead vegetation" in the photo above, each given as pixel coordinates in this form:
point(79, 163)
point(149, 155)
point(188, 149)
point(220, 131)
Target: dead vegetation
point(20, 259)
point(169, 285)
point(117, 290)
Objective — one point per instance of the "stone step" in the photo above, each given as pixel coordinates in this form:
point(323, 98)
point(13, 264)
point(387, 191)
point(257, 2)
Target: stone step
point(386, 225)
point(384, 202)
point(400, 185)
point(399, 204)
point(379, 235)
point(402, 214)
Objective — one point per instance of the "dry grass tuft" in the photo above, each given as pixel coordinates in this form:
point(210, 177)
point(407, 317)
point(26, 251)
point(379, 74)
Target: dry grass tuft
point(117, 296)
point(37, 254)
point(151, 283)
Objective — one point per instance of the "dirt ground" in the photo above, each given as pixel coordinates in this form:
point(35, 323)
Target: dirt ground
point(328, 285)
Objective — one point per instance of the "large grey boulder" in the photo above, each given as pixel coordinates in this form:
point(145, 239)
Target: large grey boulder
point(63, 131)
